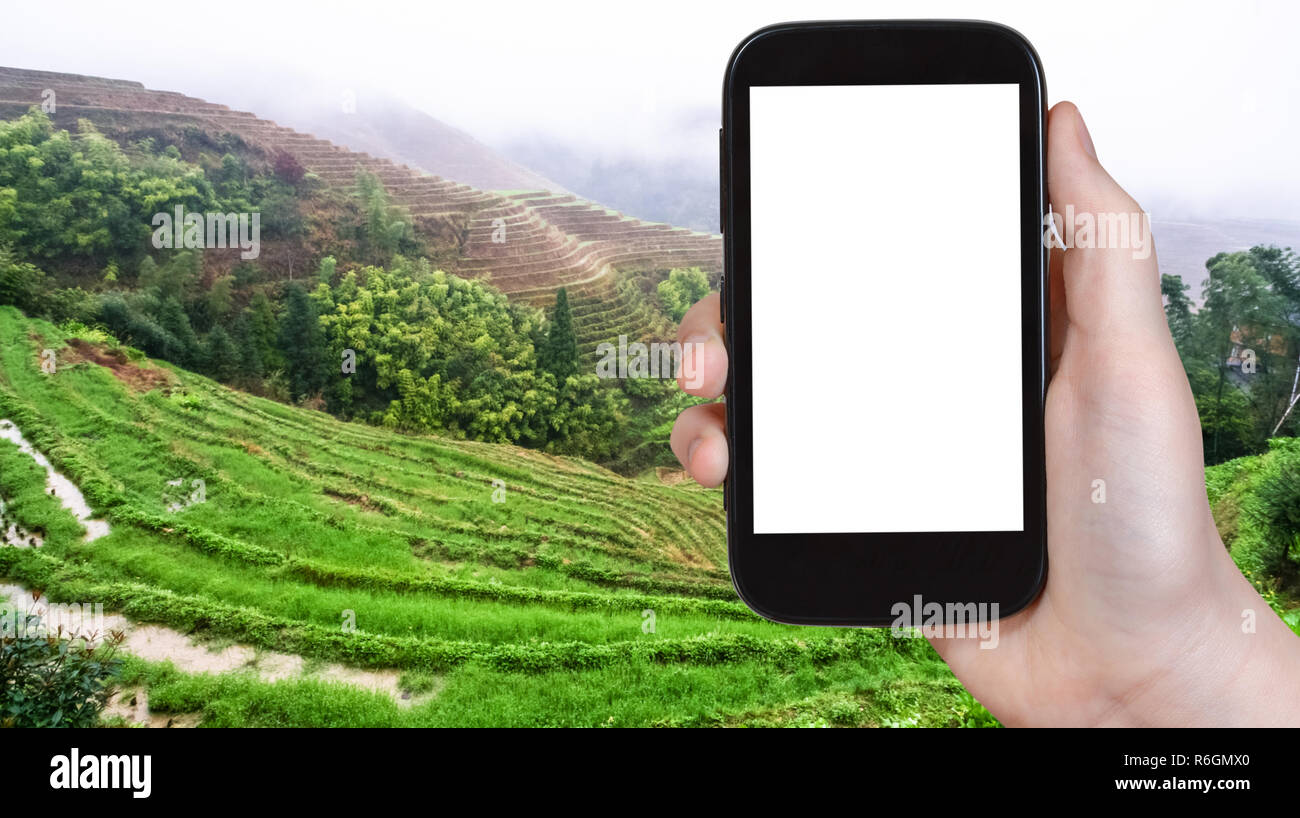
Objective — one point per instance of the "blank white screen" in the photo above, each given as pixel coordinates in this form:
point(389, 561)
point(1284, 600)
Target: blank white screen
point(886, 308)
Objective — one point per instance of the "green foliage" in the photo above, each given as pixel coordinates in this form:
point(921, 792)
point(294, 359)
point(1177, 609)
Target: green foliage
point(1178, 308)
point(241, 189)
point(559, 355)
point(221, 298)
point(300, 343)
point(435, 352)
point(325, 272)
point(94, 335)
point(132, 319)
point(174, 321)
point(1251, 311)
point(262, 337)
point(971, 713)
point(70, 304)
point(589, 419)
point(681, 289)
point(21, 283)
point(67, 195)
point(387, 229)
point(48, 681)
point(1279, 505)
point(221, 358)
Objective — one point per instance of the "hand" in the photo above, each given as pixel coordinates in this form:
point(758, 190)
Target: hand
point(1141, 619)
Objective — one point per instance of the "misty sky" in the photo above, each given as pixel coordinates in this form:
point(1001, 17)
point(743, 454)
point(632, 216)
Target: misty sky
point(1195, 107)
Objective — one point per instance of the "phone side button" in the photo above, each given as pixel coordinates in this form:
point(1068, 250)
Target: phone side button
point(722, 298)
point(722, 182)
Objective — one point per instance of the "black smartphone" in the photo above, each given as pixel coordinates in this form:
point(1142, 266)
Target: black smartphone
point(885, 305)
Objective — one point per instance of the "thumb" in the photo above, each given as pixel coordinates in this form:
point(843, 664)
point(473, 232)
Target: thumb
point(1112, 284)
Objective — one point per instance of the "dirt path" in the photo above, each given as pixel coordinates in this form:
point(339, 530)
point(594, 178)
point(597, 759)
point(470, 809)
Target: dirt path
point(156, 643)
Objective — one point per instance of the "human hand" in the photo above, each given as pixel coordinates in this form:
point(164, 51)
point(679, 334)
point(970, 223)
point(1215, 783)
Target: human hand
point(1141, 618)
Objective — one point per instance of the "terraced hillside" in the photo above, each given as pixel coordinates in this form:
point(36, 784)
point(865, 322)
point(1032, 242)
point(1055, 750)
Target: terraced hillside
point(527, 243)
point(501, 585)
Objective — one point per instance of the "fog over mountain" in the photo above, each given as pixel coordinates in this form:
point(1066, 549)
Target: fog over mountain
point(369, 120)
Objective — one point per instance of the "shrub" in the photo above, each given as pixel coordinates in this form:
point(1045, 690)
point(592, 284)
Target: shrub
point(48, 681)
point(1278, 507)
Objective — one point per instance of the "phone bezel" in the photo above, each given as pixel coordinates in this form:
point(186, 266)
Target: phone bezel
point(857, 579)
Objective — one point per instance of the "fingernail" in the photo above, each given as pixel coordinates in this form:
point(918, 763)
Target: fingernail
point(690, 451)
point(1085, 138)
point(692, 368)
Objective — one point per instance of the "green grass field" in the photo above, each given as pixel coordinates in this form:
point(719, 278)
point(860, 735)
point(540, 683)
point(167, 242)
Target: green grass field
point(505, 586)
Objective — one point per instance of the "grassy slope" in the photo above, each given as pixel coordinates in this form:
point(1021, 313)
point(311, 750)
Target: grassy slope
point(525, 612)
point(1231, 487)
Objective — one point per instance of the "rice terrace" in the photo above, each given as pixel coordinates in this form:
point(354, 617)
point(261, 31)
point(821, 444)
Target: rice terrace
point(584, 598)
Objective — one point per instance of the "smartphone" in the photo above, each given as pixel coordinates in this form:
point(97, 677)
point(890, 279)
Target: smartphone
point(885, 305)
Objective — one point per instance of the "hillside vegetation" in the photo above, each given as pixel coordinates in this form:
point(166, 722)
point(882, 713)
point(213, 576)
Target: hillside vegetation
point(372, 328)
point(529, 243)
point(1241, 348)
point(507, 586)
point(1256, 504)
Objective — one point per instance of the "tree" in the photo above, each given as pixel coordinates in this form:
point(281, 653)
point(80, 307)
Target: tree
point(221, 356)
point(250, 357)
point(387, 229)
point(419, 407)
point(1178, 308)
point(65, 194)
point(221, 297)
point(21, 283)
point(148, 275)
point(325, 273)
point(560, 354)
point(234, 173)
point(183, 348)
point(301, 343)
point(264, 334)
point(681, 289)
point(176, 277)
point(1246, 309)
